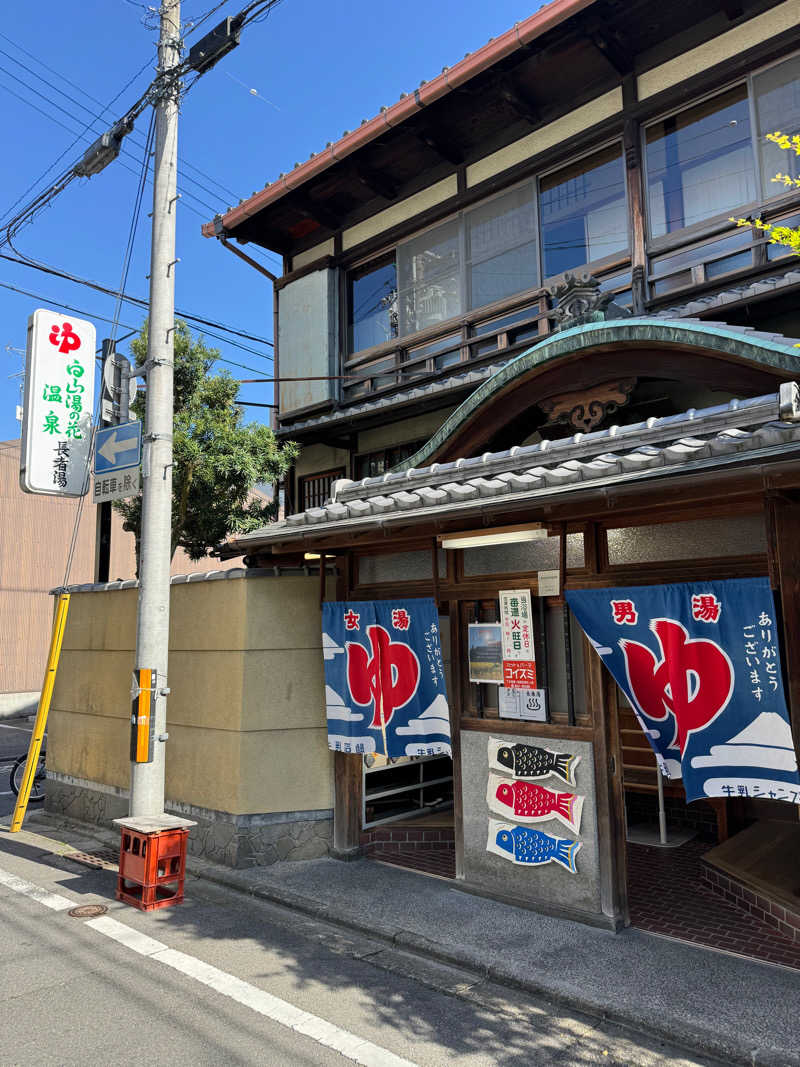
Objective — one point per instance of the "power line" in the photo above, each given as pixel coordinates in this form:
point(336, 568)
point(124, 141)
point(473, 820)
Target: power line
point(42, 176)
point(45, 268)
point(223, 189)
point(103, 318)
point(68, 177)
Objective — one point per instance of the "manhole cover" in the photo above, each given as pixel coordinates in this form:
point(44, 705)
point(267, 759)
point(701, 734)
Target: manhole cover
point(88, 911)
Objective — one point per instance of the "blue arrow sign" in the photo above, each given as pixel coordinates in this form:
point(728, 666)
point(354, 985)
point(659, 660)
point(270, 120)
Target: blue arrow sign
point(118, 447)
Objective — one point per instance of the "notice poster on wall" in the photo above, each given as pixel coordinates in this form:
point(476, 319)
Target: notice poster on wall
point(519, 656)
point(485, 651)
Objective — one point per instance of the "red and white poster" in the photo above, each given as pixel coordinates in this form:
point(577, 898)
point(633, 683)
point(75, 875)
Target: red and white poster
point(519, 656)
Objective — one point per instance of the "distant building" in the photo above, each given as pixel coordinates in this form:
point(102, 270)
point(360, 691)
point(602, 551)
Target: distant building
point(35, 534)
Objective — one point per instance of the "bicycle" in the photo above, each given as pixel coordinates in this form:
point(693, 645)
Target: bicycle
point(39, 778)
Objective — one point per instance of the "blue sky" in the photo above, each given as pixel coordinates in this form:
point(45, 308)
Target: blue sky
point(318, 69)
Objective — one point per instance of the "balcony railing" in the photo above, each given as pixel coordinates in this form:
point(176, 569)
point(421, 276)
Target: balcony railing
point(491, 334)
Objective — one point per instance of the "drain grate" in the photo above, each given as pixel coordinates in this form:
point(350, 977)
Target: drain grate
point(103, 859)
point(88, 911)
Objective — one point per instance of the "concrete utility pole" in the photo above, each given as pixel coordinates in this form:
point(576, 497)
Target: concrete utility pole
point(152, 626)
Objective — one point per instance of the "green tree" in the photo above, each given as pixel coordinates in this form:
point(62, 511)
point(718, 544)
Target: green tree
point(218, 458)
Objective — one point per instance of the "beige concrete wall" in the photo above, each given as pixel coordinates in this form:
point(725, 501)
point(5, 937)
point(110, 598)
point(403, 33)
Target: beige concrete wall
point(781, 18)
point(397, 213)
point(316, 458)
point(246, 714)
point(311, 255)
point(555, 133)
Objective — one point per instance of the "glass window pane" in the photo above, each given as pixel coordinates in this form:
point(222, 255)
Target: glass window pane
point(429, 269)
point(777, 109)
point(700, 163)
point(373, 305)
point(694, 539)
point(583, 212)
point(501, 247)
point(399, 567)
point(522, 556)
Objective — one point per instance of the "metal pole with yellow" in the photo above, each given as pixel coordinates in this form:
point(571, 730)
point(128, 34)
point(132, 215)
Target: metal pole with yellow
point(39, 727)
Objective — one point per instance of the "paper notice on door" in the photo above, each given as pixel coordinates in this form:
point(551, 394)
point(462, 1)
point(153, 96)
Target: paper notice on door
point(549, 584)
point(525, 704)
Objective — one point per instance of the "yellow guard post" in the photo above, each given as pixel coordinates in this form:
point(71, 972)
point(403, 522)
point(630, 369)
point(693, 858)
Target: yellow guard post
point(39, 727)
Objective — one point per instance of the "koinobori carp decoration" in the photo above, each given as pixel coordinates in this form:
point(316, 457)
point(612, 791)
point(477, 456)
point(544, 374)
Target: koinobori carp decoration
point(700, 665)
point(527, 802)
point(529, 761)
point(384, 678)
point(528, 847)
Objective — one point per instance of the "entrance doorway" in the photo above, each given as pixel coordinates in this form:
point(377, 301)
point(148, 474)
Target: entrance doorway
point(407, 813)
point(724, 878)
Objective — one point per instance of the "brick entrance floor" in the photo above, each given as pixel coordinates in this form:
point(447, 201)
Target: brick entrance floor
point(667, 895)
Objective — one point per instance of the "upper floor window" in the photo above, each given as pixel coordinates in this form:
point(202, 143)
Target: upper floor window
point(429, 272)
point(501, 247)
point(777, 107)
point(714, 158)
point(584, 218)
point(492, 251)
point(373, 304)
point(700, 162)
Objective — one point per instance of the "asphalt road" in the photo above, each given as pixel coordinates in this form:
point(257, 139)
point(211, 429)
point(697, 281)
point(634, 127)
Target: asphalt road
point(219, 979)
point(15, 735)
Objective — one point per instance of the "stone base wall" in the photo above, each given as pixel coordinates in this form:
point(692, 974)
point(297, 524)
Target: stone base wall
point(233, 840)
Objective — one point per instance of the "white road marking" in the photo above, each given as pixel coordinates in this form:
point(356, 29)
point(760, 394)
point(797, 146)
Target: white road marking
point(35, 892)
point(8, 793)
point(8, 726)
point(130, 938)
point(352, 1047)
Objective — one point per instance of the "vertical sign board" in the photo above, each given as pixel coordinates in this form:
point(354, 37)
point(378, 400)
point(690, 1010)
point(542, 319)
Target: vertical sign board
point(142, 715)
point(59, 402)
point(519, 656)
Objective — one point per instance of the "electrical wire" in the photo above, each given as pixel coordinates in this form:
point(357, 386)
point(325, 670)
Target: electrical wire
point(126, 263)
point(26, 261)
point(148, 148)
point(80, 135)
point(98, 117)
point(252, 12)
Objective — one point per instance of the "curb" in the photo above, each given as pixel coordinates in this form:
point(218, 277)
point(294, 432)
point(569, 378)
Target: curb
point(689, 1037)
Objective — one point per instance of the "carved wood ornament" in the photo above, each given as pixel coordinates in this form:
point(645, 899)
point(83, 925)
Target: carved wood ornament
point(587, 408)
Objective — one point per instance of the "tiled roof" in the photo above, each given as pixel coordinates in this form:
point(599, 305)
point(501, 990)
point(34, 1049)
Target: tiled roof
point(734, 432)
point(227, 575)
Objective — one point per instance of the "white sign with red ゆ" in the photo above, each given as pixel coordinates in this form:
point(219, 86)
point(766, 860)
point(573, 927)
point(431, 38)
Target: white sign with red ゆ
point(59, 403)
point(519, 655)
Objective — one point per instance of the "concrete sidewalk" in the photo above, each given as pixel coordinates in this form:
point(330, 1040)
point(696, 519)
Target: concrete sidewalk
point(714, 1003)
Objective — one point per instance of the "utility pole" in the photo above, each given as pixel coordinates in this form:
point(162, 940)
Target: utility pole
point(152, 626)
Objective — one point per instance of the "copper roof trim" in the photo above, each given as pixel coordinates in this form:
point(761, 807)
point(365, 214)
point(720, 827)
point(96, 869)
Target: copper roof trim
point(520, 34)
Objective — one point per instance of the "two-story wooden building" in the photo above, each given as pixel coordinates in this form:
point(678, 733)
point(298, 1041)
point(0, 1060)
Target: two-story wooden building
point(448, 367)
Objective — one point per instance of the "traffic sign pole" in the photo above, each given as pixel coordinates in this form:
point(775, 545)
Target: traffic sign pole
point(152, 626)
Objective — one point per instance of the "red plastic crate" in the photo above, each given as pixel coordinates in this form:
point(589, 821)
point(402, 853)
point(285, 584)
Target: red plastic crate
point(152, 868)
